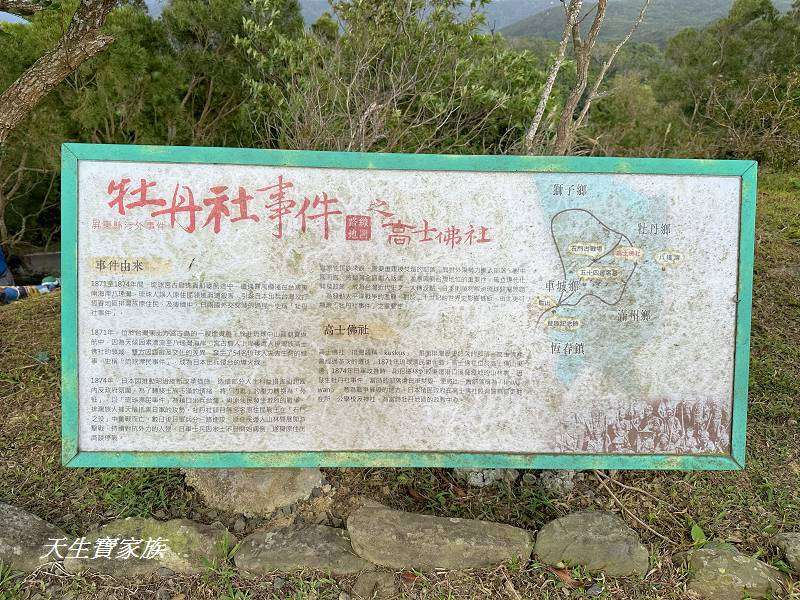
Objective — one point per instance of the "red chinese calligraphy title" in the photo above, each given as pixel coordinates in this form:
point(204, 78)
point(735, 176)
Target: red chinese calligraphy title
point(225, 204)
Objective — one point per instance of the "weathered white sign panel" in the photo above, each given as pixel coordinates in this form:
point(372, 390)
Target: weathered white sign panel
point(263, 308)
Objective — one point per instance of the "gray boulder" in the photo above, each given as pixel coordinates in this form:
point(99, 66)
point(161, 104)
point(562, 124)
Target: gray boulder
point(183, 546)
point(297, 548)
point(253, 492)
point(25, 539)
point(721, 572)
point(401, 540)
point(789, 544)
point(596, 540)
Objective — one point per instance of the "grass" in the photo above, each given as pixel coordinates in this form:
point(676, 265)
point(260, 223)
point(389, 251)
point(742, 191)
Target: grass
point(745, 508)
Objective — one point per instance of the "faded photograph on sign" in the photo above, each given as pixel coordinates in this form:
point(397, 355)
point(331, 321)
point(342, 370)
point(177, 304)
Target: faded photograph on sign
point(265, 308)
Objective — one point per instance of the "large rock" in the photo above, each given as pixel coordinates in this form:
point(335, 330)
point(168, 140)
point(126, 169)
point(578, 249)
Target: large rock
point(186, 547)
point(789, 544)
point(25, 538)
point(253, 492)
point(297, 548)
point(401, 540)
point(721, 572)
point(596, 540)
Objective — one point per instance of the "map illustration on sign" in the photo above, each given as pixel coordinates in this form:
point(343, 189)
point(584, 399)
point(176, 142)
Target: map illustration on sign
point(601, 296)
point(276, 308)
point(589, 264)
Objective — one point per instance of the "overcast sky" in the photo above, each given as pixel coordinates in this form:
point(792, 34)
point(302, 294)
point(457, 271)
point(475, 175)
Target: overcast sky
point(9, 18)
point(154, 6)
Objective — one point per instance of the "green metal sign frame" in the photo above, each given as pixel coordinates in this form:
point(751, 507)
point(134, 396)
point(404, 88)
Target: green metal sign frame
point(72, 456)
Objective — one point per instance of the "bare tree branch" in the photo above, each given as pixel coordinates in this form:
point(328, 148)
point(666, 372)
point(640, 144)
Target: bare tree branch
point(9, 189)
point(82, 40)
point(593, 94)
point(572, 11)
point(22, 8)
point(49, 202)
point(583, 54)
point(358, 90)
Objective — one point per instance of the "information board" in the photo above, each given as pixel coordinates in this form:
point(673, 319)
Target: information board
point(228, 307)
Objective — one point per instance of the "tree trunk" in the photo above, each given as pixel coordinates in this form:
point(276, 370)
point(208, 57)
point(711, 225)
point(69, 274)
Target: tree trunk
point(23, 8)
point(571, 14)
point(565, 130)
point(81, 41)
point(594, 93)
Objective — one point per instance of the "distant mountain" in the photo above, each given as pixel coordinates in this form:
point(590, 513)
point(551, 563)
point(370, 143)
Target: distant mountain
point(499, 13)
point(664, 18)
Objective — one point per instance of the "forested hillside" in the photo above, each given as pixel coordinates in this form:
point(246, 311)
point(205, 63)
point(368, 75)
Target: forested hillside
point(664, 19)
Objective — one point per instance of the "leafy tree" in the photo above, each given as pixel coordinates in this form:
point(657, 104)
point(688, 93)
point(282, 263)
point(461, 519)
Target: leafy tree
point(400, 76)
point(132, 93)
point(631, 121)
point(736, 83)
point(326, 27)
point(275, 45)
point(203, 35)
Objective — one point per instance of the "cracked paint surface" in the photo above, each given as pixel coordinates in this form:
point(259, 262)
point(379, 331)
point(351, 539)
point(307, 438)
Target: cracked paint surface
point(530, 370)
